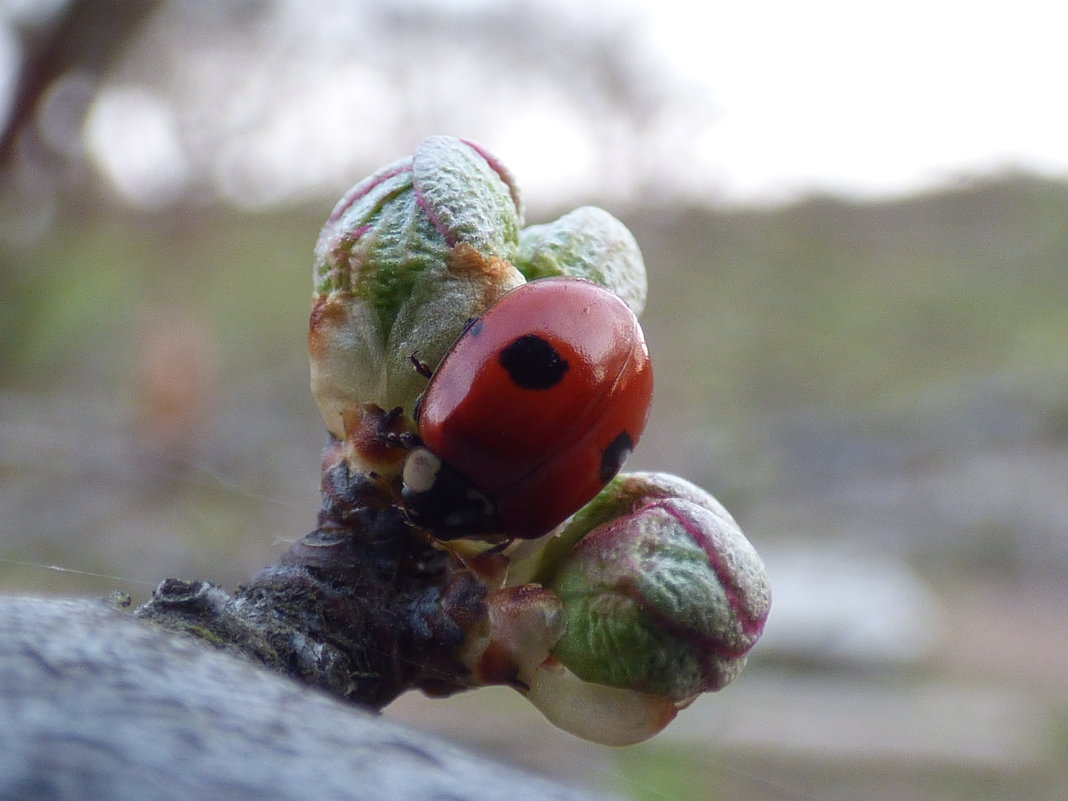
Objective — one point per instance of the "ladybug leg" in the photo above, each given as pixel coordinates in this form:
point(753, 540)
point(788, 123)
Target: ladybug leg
point(384, 427)
point(421, 367)
point(405, 440)
point(498, 548)
point(441, 500)
point(391, 417)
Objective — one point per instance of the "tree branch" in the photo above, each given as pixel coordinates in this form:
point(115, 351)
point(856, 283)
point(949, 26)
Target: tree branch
point(364, 607)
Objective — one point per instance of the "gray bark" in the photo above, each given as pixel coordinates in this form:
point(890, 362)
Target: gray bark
point(95, 704)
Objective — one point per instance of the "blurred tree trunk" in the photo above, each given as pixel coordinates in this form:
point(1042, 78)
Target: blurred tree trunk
point(98, 705)
point(85, 37)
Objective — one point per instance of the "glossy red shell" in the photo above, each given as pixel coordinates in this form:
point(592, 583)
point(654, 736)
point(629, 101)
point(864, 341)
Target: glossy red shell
point(540, 446)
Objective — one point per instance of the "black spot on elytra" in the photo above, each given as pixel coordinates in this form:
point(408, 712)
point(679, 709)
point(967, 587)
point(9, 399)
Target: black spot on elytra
point(532, 363)
point(613, 457)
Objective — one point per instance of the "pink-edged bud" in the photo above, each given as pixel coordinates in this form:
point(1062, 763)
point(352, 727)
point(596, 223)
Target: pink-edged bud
point(663, 596)
point(405, 259)
point(586, 243)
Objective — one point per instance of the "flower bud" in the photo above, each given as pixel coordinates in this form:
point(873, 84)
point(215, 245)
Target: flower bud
point(663, 594)
point(405, 259)
point(586, 243)
point(595, 712)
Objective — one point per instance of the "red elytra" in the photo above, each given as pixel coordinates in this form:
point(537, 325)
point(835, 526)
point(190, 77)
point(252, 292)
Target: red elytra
point(536, 407)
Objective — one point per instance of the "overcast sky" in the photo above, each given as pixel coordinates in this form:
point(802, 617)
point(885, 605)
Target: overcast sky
point(872, 97)
point(869, 98)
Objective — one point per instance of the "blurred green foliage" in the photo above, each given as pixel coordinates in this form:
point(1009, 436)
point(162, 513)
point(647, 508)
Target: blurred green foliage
point(688, 773)
point(864, 305)
point(820, 303)
point(80, 293)
point(785, 340)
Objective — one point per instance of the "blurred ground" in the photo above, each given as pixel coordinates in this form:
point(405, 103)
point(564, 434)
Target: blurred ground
point(878, 392)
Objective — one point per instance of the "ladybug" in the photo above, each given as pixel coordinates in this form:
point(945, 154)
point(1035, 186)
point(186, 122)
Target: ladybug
point(533, 409)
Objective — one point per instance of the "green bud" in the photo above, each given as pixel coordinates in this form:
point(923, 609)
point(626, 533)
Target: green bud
point(663, 594)
point(586, 243)
point(625, 494)
point(407, 256)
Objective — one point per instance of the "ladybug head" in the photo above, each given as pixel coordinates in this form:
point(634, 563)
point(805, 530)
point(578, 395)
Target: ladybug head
point(443, 501)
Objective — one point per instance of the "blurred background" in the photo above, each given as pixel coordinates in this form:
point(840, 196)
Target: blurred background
point(855, 219)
